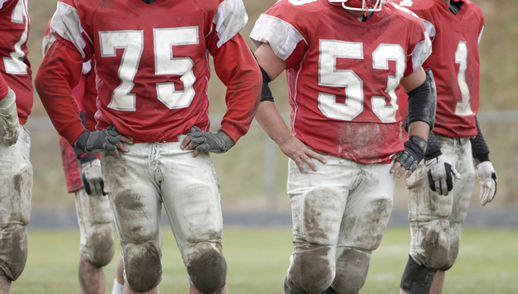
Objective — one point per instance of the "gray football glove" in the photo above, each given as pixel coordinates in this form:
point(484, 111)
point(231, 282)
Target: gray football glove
point(440, 174)
point(487, 178)
point(95, 142)
point(93, 177)
point(204, 141)
point(414, 151)
point(9, 118)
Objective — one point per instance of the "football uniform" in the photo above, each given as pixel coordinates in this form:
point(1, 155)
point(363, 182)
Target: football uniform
point(437, 219)
point(342, 75)
point(16, 176)
point(152, 66)
point(94, 215)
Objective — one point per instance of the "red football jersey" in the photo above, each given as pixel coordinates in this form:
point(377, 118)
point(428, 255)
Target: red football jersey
point(153, 64)
point(454, 62)
point(343, 73)
point(85, 95)
point(14, 65)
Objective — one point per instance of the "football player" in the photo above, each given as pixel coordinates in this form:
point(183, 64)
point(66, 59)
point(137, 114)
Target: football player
point(344, 61)
point(84, 178)
point(153, 133)
point(15, 167)
point(436, 214)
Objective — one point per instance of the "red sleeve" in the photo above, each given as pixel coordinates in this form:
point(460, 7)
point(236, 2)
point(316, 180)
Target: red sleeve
point(58, 74)
point(237, 68)
point(3, 87)
point(90, 98)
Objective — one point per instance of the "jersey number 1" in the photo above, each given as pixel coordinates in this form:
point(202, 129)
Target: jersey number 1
point(165, 64)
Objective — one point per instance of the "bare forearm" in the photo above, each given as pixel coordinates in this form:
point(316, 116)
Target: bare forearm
point(272, 123)
point(420, 129)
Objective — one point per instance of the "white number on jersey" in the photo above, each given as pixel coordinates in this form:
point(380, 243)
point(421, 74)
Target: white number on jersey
point(463, 107)
point(165, 64)
point(301, 2)
point(331, 77)
point(15, 64)
point(406, 3)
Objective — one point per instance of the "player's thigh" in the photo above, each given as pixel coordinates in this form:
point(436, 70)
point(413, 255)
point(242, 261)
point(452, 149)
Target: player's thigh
point(191, 197)
point(368, 208)
point(95, 220)
point(318, 200)
point(425, 205)
point(458, 151)
point(16, 178)
point(133, 194)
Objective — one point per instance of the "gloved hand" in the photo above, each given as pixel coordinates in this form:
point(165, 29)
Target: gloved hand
point(95, 142)
point(204, 141)
point(440, 173)
point(9, 118)
point(487, 178)
point(414, 151)
point(93, 177)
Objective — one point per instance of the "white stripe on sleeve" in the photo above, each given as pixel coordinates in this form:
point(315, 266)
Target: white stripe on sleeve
point(230, 19)
point(480, 35)
point(67, 25)
point(423, 49)
point(282, 36)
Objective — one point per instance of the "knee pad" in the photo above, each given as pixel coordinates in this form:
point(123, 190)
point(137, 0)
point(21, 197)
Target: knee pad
point(142, 267)
point(207, 268)
point(311, 270)
point(431, 243)
point(13, 261)
point(289, 288)
point(351, 270)
point(417, 279)
point(100, 245)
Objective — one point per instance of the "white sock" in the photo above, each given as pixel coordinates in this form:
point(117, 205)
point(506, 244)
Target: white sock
point(117, 288)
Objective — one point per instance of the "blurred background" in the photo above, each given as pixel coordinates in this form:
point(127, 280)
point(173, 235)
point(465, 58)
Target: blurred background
point(252, 175)
point(256, 212)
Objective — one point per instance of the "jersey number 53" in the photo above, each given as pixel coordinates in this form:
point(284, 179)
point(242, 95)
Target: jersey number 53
point(330, 76)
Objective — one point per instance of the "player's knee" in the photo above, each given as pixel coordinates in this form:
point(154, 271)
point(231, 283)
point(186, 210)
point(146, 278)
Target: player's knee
point(100, 245)
point(433, 249)
point(142, 266)
point(16, 245)
point(417, 279)
point(351, 270)
point(207, 268)
point(311, 270)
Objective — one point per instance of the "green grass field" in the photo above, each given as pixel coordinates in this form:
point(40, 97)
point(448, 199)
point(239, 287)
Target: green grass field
point(258, 260)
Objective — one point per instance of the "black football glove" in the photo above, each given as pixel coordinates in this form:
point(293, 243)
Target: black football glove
point(95, 142)
point(414, 151)
point(204, 141)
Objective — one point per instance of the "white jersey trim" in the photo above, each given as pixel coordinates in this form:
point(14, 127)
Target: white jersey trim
point(422, 51)
point(67, 25)
point(282, 36)
point(480, 35)
point(2, 3)
point(47, 41)
point(230, 19)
